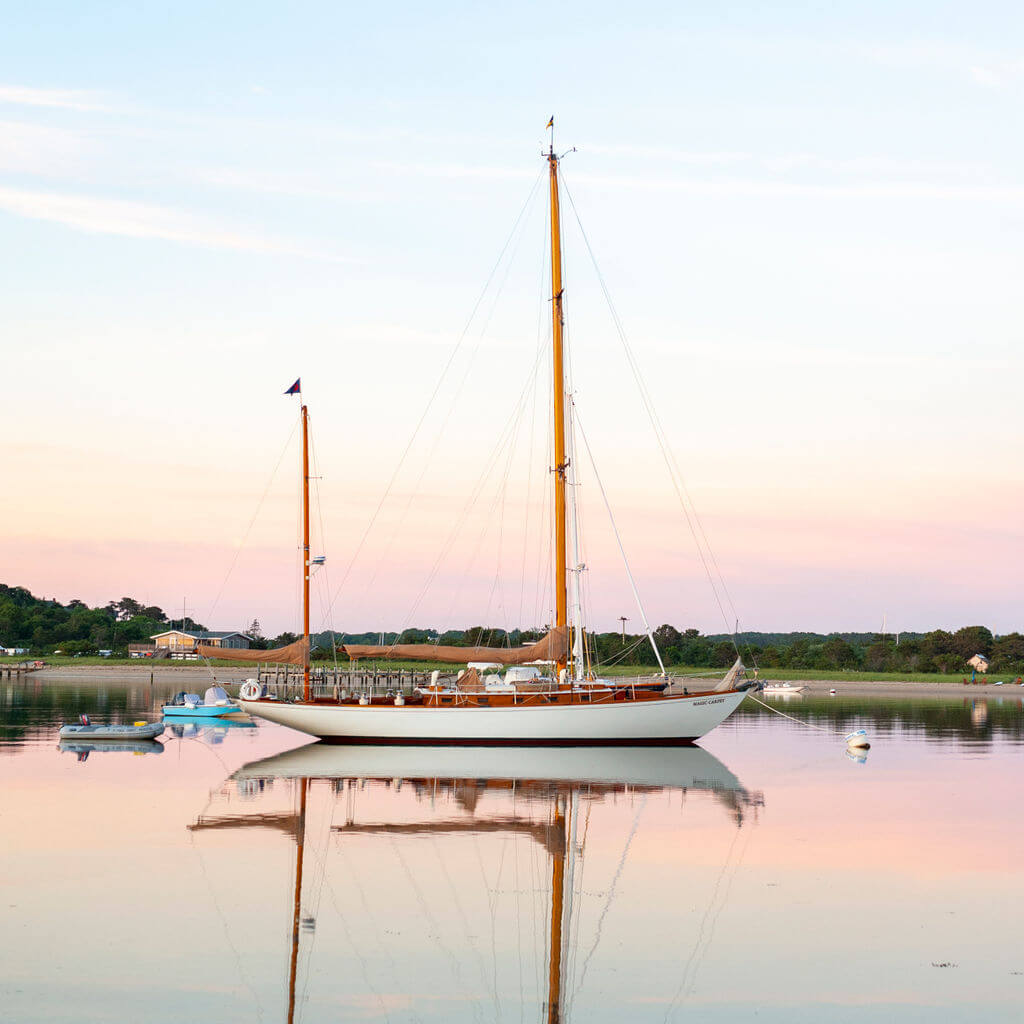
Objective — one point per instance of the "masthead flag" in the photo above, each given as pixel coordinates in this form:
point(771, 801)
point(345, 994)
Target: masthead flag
point(551, 123)
point(296, 388)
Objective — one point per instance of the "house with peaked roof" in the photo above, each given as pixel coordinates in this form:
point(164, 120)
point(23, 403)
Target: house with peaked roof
point(180, 641)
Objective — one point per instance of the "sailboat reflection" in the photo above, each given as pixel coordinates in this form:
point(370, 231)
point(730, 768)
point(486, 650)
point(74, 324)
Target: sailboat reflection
point(547, 788)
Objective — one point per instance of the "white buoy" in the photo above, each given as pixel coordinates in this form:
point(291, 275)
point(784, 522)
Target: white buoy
point(858, 740)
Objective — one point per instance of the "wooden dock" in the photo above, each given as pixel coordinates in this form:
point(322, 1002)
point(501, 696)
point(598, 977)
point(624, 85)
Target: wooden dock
point(16, 671)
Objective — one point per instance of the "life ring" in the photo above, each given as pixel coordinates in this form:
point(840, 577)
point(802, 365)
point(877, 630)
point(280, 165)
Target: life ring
point(250, 690)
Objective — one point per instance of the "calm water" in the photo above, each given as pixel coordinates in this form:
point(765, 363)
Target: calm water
point(763, 876)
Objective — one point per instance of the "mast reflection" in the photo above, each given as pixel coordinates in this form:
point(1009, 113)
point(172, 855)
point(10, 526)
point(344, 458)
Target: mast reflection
point(547, 801)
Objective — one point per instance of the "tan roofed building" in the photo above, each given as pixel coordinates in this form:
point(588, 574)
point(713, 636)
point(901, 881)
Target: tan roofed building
point(184, 641)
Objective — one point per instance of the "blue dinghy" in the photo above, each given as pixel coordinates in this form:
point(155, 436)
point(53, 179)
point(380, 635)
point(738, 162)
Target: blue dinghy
point(214, 703)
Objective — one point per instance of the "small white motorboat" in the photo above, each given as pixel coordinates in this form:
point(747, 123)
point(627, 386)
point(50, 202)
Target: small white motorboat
point(87, 731)
point(773, 689)
point(214, 703)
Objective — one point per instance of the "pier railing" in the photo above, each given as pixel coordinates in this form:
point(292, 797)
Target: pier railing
point(285, 682)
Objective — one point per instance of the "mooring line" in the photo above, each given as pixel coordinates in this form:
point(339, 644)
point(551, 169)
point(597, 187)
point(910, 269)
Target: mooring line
point(799, 721)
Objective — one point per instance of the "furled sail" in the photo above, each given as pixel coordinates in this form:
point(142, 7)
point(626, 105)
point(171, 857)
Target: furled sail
point(551, 647)
point(732, 677)
point(292, 654)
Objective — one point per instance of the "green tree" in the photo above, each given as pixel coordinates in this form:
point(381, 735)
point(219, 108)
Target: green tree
point(971, 640)
point(837, 653)
point(875, 657)
point(1008, 653)
point(723, 655)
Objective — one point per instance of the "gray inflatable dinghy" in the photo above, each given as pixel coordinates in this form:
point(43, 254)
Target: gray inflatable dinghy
point(86, 732)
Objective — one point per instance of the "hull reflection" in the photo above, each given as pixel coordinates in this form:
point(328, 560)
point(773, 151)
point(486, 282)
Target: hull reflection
point(675, 767)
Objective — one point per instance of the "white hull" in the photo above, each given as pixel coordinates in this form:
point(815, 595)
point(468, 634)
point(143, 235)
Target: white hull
point(775, 691)
point(667, 720)
point(683, 767)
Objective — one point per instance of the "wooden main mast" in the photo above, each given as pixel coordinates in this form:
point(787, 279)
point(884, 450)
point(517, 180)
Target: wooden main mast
point(558, 387)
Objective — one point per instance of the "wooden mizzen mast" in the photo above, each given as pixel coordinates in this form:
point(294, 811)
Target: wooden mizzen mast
point(305, 549)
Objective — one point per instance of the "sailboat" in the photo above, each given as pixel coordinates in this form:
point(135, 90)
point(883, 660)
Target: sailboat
point(528, 706)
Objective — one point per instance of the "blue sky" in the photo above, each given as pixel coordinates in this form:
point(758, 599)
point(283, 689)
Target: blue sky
point(809, 217)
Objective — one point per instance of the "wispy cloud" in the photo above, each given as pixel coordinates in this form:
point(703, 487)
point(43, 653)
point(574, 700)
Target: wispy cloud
point(997, 74)
point(291, 184)
point(451, 170)
point(143, 220)
point(882, 190)
point(38, 149)
point(780, 162)
point(69, 99)
point(989, 69)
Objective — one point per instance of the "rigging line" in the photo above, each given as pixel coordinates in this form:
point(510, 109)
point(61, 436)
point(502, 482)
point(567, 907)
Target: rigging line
point(621, 656)
point(470, 941)
point(492, 906)
point(618, 540)
point(426, 462)
point(671, 464)
point(224, 925)
point(436, 390)
point(368, 915)
point(516, 420)
point(518, 915)
point(717, 913)
point(616, 658)
point(611, 895)
point(542, 576)
point(429, 918)
point(503, 491)
point(316, 886)
point(576, 900)
point(252, 522)
point(356, 947)
point(540, 340)
point(492, 461)
point(325, 586)
point(698, 943)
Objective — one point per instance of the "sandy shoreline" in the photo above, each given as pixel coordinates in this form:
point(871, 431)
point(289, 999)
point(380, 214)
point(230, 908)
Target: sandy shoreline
point(888, 688)
point(192, 674)
point(198, 676)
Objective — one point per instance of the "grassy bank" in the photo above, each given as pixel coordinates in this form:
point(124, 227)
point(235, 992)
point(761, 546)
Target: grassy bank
point(690, 671)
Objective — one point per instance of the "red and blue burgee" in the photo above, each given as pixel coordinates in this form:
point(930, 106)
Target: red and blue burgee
point(296, 388)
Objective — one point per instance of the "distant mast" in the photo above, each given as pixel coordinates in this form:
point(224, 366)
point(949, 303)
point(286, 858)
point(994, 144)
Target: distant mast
point(558, 388)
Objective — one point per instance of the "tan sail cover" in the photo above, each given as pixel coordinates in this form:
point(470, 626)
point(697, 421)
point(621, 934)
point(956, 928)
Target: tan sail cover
point(551, 647)
point(293, 654)
point(732, 677)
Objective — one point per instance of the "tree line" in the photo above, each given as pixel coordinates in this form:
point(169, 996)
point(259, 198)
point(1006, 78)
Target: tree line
point(43, 625)
point(938, 651)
